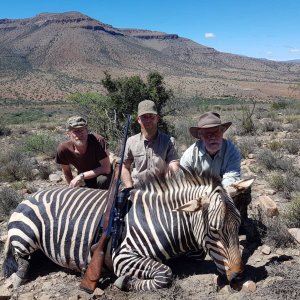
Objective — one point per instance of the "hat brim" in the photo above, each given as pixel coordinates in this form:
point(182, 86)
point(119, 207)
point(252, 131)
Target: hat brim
point(147, 112)
point(194, 130)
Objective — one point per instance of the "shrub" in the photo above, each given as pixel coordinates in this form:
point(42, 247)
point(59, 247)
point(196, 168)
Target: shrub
point(270, 126)
point(9, 199)
point(273, 161)
point(288, 182)
point(44, 172)
point(4, 131)
point(278, 105)
point(291, 184)
point(15, 166)
point(276, 180)
point(292, 213)
point(292, 146)
point(247, 145)
point(273, 231)
point(275, 145)
point(285, 284)
point(40, 144)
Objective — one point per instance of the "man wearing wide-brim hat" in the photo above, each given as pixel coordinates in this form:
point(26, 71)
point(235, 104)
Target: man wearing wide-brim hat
point(211, 152)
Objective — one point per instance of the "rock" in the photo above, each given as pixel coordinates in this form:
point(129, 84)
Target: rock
point(55, 178)
point(249, 286)
point(251, 155)
point(280, 252)
point(295, 232)
point(268, 206)
point(98, 292)
point(270, 192)
point(266, 250)
point(35, 172)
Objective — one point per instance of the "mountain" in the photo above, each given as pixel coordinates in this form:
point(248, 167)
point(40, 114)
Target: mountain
point(52, 55)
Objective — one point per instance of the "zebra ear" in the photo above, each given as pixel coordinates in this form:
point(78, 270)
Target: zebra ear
point(239, 186)
point(191, 206)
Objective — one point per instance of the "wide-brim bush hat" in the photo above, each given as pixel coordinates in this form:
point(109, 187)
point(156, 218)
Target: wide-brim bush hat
point(209, 120)
point(146, 107)
point(76, 122)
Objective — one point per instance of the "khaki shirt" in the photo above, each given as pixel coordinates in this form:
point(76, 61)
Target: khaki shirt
point(149, 156)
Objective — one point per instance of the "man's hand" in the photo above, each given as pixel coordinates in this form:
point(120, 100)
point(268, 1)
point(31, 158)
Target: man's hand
point(77, 181)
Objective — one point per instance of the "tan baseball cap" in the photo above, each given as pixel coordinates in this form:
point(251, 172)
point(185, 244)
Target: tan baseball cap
point(146, 107)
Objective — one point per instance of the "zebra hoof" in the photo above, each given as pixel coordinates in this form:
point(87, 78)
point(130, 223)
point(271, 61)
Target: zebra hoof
point(14, 281)
point(122, 283)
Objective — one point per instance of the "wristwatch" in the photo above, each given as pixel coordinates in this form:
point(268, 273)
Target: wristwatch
point(82, 176)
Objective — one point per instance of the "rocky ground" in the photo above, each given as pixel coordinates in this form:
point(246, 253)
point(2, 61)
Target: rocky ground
point(193, 280)
point(270, 272)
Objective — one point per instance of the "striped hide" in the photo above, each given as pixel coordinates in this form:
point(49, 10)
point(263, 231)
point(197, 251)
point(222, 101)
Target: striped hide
point(183, 214)
point(180, 214)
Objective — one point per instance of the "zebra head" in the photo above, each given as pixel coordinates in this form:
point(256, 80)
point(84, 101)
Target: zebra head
point(215, 223)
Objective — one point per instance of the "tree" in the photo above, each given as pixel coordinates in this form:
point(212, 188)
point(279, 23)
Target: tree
point(107, 114)
point(124, 94)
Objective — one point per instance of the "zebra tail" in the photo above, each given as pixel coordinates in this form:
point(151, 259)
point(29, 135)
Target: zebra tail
point(10, 265)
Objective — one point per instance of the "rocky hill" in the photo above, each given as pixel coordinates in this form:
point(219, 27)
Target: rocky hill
point(52, 55)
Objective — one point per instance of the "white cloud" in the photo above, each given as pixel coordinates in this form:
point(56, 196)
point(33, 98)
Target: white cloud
point(269, 52)
point(209, 35)
point(294, 50)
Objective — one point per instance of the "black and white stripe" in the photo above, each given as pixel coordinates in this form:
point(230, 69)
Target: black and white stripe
point(155, 232)
point(62, 223)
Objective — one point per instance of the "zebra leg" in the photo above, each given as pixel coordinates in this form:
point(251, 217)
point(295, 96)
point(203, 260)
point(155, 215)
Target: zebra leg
point(148, 275)
point(20, 276)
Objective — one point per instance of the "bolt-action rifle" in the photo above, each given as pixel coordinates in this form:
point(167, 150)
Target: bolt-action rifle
point(112, 223)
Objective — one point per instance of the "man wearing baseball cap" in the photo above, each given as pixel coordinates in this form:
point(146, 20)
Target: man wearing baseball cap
point(149, 151)
point(87, 153)
point(211, 152)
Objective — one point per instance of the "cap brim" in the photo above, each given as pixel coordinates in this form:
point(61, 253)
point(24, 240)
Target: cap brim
point(194, 130)
point(147, 112)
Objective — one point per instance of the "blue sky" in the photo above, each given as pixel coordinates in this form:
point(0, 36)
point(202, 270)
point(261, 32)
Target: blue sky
point(257, 28)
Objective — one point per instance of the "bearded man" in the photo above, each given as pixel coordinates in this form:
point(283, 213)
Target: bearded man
point(86, 152)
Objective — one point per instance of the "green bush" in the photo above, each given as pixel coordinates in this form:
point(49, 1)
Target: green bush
point(9, 199)
point(273, 231)
point(270, 126)
point(4, 131)
point(279, 105)
point(274, 161)
point(292, 146)
point(247, 145)
point(277, 180)
point(292, 213)
point(275, 145)
point(15, 166)
point(40, 144)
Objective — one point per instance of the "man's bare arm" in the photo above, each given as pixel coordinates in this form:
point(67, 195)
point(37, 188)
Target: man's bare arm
point(126, 175)
point(67, 173)
point(104, 169)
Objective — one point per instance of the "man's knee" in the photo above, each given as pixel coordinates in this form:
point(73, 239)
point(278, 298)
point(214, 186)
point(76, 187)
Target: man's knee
point(103, 181)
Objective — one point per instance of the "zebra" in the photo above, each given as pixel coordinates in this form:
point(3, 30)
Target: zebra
point(169, 216)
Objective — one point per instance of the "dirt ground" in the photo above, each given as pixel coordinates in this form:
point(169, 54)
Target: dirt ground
point(192, 279)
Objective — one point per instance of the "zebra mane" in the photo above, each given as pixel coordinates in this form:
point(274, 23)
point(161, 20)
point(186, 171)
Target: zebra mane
point(183, 178)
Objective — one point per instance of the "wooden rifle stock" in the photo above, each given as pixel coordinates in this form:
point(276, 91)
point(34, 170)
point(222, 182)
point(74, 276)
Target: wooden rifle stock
point(92, 275)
